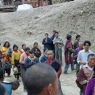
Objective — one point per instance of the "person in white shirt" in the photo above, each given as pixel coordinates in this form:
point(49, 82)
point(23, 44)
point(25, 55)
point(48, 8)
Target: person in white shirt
point(83, 54)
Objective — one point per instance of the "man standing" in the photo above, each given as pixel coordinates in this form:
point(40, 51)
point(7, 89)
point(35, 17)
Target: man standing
point(85, 73)
point(83, 54)
point(68, 53)
point(58, 43)
point(47, 42)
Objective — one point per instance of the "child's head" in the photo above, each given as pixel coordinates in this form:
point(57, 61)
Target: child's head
point(2, 90)
point(31, 54)
point(23, 46)
point(15, 85)
point(50, 54)
point(27, 50)
point(6, 44)
point(35, 44)
point(15, 47)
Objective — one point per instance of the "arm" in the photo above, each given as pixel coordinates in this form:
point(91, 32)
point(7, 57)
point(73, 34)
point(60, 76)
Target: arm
point(81, 77)
point(13, 58)
point(89, 88)
point(21, 59)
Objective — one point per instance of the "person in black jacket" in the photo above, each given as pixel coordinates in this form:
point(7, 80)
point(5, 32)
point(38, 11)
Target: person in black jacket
point(47, 42)
point(36, 50)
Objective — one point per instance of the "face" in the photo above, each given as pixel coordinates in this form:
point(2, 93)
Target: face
point(78, 38)
point(24, 47)
point(91, 61)
point(15, 49)
point(31, 55)
point(81, 45)
point(36, 45)
point(86, 46)
point(50, 55)
point(7, 44)
point(56, 34)
point(46, 35)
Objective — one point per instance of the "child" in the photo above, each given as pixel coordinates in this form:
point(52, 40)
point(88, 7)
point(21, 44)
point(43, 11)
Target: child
point(30, 60)
point(15, 60)
point(8, 62)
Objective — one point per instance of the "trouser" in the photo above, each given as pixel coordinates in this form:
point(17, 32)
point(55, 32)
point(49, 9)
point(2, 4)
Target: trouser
point(18, 67)
point(58, 54)
point(22, 71)
point(67, 67)
point(49, 2)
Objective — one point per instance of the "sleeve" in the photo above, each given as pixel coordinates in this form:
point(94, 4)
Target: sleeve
point(43, 42)
point(21, 59)
point(79, 57)
point(88, 88)
point(12, 57)
point(81, 77)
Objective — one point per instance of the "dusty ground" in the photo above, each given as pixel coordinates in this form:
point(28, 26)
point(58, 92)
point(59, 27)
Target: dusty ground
point(67, 82)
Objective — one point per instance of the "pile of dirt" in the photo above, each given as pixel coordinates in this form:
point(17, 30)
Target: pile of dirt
point(76, 17)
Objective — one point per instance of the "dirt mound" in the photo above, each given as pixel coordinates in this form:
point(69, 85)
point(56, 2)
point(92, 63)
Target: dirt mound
point(71, 17)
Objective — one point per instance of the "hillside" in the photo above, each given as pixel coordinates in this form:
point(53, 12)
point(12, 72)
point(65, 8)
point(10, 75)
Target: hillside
point(75, 17)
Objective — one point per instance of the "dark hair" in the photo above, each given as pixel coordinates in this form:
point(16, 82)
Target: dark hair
point(15, 46)
point(37, 77)
point(78, 36)
point(27, 49)
point(5, 44)
point(90, 55)
point(2, 90)
point(87, 42)
point(23, 45)
point(46, 34)
point(35, 43)
point(69, 37)
point(56, 65)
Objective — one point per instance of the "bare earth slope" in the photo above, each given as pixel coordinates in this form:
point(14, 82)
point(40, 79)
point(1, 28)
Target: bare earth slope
point(77, 16)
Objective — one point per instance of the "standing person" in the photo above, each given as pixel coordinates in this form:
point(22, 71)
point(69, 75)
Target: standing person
point(8, 62)
point(47, 42)
point(15, 60)
point(76, 43)
point(68, 53)
point(23, 57)
point(83, 54)
point(50, 57)
point(77, 50)
point(53, 35)
point(5, 47)
point(58, 43)
point(85, 74)
point(41, 79)
point(23, 48)
point(36, 50)
point(90, 88)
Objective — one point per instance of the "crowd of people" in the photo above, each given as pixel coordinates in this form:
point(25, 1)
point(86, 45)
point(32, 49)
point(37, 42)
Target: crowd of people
point(40, 70)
